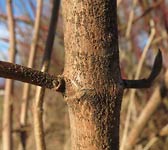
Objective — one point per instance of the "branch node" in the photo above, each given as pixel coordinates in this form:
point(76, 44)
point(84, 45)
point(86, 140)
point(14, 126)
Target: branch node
point(59, 84)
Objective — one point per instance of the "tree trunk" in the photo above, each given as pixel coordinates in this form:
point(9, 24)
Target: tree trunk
point(93, 82)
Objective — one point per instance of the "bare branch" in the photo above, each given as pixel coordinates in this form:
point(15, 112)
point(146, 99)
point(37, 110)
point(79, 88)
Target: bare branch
point(130, 20)
point(23, 19)
point(26, 87)
point(138, 71)
point(145, 115)
point(146, 83)
point(7, 141)
point(148, 10)
point(28, 75)
point(51, 35)
point(38, 107)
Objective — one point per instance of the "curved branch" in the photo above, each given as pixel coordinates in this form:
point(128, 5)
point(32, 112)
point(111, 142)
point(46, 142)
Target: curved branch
point(29, 75)
point(40, 92)
point(146, 83)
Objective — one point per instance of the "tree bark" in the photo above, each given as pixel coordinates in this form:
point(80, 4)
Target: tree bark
point(94, 87)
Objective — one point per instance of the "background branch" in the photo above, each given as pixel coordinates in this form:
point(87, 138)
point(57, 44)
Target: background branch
point(146, 114)
point(26, 87)
point(7, 142)
point(39, 97)
point(23, 19)
point(132, 96)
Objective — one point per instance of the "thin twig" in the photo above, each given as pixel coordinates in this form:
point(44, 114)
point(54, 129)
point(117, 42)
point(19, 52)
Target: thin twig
point(150, 143)
point(7, 106)
point(26, 87)
point(130, 20)
point(38, 105)
point(144, 117)
point(146, 114)
point(148, 10)
point(130, 105)
point(164, 131)
point(23, 19)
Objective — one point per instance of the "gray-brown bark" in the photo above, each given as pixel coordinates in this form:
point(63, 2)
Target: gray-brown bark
point(94, 85)
point(29, 75)
point(91, 80)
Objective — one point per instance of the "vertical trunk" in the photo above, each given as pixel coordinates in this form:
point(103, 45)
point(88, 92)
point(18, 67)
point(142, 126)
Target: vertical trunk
point(94, 86)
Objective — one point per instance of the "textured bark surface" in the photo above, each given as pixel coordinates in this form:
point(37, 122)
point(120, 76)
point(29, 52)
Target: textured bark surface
point(29, 75)
point(93, 82)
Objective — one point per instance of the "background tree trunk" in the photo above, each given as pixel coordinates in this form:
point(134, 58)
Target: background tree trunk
point(7, 141)
point(93, 82)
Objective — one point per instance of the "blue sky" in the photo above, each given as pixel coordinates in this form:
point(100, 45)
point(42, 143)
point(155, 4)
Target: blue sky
point(2, 6)
point(3, 34)
point(20, 8)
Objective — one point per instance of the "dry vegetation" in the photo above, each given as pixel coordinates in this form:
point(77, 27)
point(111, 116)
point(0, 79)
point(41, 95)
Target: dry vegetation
point(143, 28)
